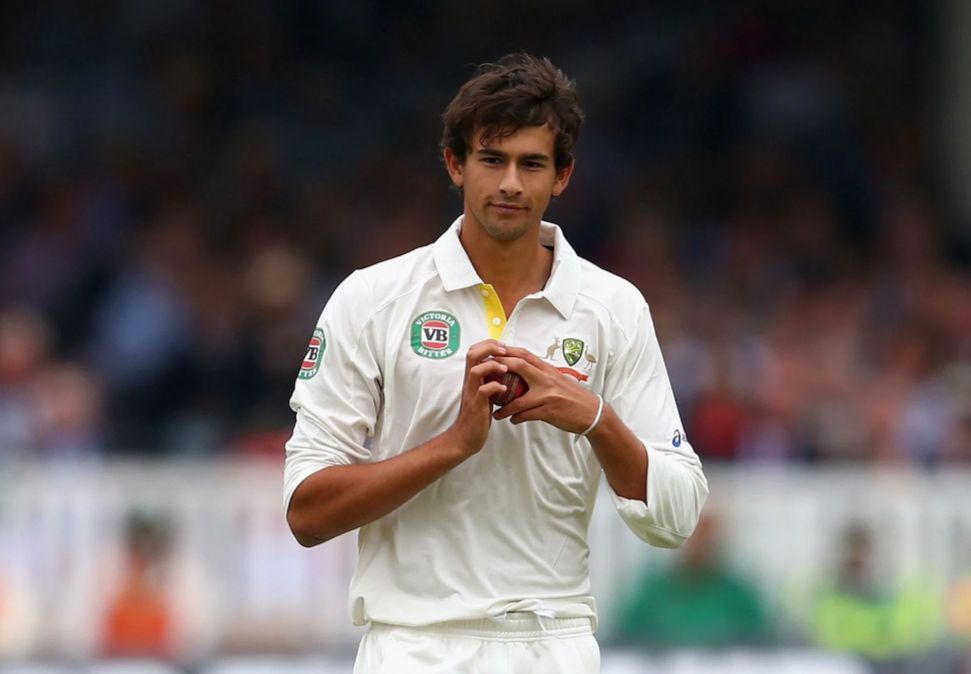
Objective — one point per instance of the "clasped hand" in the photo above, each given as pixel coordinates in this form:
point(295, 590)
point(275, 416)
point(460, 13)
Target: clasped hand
point(552, 397)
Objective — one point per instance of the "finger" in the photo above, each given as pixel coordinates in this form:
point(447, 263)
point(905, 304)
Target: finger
point(532, 414)
point(491, 388)
point(484, 369)
point(482, 350)
point(529, 357)
point(524, 369)
point(519, 405)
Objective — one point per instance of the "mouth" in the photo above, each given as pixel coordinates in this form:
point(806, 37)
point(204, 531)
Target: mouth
point(507, 208)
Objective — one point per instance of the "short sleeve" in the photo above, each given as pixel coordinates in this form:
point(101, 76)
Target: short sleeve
point(638, 388)
point(337, 394)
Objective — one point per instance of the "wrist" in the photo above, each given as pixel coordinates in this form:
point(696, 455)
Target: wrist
point(458, 443)
point(598, 416)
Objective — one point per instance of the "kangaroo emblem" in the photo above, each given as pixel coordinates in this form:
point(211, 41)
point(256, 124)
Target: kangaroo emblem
point(551, 349)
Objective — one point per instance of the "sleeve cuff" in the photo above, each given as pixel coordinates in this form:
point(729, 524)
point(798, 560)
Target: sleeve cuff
point(646, 519)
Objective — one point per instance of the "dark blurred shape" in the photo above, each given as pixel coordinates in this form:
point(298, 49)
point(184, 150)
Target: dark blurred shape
point(698, 602)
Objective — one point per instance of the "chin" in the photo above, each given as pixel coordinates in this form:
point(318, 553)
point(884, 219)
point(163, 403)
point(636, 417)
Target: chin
point(509, 233)
point(506, 229)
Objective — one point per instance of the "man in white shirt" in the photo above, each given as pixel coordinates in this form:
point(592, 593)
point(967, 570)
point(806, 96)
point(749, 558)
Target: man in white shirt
point(473, 520)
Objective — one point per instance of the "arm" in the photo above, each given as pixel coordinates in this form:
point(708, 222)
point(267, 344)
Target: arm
point(638, 388)
point(340, 498)
point(622, 456)
point(655, 477)
point(337, 499)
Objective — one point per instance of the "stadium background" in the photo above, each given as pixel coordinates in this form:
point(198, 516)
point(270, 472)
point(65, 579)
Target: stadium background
point(182, 185)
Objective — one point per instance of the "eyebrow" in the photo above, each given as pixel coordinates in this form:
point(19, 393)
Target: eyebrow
point(533, 156)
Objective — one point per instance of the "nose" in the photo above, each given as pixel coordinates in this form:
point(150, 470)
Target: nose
point(511, 185)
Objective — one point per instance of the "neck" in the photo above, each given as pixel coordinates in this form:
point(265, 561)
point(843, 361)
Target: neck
point(514, 268)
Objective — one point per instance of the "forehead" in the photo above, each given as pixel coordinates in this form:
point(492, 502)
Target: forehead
point(524, 140)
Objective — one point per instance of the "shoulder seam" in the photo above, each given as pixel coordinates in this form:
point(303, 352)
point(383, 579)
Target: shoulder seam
point(391, 300)
point(372, 316)
point(628, 336)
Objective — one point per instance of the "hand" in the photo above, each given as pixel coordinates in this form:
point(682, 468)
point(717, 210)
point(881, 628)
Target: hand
point(471, 428)
point(553, 397)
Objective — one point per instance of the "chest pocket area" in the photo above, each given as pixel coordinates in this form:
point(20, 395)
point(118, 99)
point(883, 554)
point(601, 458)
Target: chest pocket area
point(428, 370)
point(421, 383)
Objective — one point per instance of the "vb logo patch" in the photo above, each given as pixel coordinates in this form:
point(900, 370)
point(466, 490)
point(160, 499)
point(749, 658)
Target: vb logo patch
point(435, 334)
point(315, 350)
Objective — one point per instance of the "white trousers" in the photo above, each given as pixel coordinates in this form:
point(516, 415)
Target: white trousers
point(518, 644)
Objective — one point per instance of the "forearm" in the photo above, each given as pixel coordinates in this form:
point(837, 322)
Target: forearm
point(338, 499)
point(622, 455)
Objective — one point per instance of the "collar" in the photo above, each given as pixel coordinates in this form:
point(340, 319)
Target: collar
point(456, 270)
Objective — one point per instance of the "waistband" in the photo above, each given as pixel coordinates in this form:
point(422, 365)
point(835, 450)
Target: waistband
point(510, 627)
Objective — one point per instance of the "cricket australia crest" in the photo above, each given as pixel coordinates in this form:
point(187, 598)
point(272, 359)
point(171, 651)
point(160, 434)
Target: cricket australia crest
point(572, 350)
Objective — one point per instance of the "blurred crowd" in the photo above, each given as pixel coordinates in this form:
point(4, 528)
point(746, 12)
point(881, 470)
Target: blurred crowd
point(182, 185)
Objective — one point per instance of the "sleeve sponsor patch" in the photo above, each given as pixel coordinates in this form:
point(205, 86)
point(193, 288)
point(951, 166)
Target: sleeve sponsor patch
point(315, 351)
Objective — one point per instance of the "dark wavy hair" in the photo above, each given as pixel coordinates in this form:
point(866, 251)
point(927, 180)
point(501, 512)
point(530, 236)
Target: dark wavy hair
point(519, 90)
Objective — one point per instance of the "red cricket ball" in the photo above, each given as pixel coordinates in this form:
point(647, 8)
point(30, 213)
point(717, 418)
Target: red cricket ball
point(515, 387)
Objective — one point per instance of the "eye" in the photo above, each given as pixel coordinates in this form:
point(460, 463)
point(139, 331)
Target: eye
point(535, 165)
point(491, 161)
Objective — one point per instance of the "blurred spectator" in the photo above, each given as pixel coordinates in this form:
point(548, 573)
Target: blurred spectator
point(50, 409)
point(717, 420)
point(139, 619)
point(696, 603)
point(861, 614)
point(24, 347)
point(959, 608)
point(142, 325)
point(67, 402)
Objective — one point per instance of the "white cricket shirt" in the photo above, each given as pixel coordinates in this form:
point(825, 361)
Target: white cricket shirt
point(507, 529)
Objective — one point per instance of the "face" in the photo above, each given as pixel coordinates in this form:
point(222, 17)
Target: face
point(508, 183)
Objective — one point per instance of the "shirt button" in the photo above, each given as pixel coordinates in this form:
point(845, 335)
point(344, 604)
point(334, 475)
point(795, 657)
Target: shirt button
point(497, 321)
point(485, 293)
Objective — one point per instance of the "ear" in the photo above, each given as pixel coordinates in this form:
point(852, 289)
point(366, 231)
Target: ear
point(563, 178)
point(455, 167)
